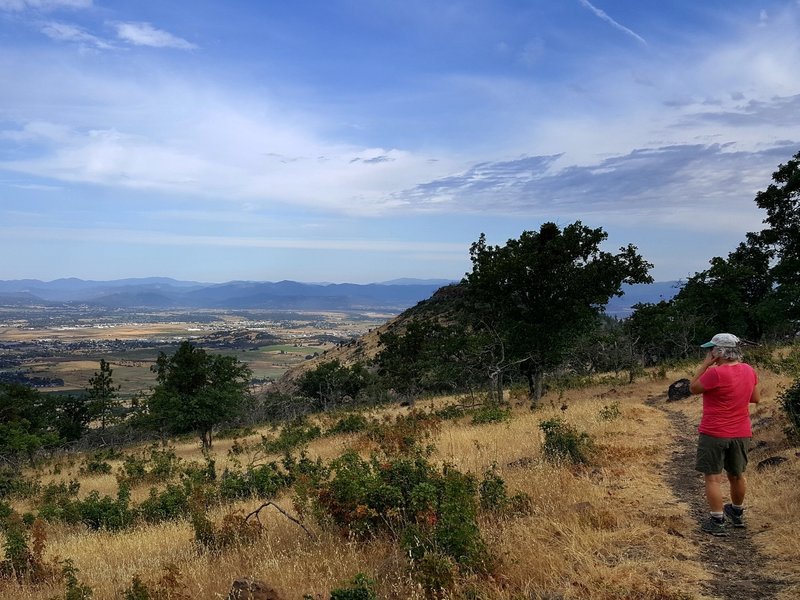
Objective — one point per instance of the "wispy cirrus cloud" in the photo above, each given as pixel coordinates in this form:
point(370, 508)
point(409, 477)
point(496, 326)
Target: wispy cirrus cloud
point(170, 238)
point(144, 34)
point(45, 5)
point(645, 184)
point(64, 32)
point(604, 16)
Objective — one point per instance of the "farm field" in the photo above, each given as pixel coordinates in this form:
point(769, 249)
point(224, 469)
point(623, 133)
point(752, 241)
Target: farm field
point(60, 350)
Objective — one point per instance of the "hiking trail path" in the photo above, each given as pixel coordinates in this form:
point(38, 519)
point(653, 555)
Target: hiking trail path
point(735, 562)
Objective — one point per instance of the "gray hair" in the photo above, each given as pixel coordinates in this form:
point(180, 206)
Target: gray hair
point(727, 353)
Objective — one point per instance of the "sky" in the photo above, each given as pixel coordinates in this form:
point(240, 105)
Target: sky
point(367, 140)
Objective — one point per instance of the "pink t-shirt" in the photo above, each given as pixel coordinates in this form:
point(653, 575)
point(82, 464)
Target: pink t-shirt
point(726, 400)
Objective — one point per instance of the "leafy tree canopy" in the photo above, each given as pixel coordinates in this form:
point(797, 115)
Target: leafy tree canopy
point(540, 292)
point(781, 201)
point(196, 391)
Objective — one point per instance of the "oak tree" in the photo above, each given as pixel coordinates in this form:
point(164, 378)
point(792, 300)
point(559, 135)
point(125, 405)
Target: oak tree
point(539, 293)
point(196, 391)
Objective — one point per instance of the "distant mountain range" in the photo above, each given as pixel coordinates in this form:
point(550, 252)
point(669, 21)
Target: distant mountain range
point(164, 293)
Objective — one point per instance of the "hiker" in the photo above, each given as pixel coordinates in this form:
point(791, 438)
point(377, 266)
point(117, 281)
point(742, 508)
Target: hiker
point(728, 386)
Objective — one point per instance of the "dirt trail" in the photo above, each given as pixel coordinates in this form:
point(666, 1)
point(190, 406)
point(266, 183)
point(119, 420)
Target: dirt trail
point(734, 560)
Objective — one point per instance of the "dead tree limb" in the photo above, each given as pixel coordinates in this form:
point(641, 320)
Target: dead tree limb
point(257, 512)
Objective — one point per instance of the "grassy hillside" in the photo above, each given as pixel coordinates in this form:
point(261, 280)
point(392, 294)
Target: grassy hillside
point(619, 525)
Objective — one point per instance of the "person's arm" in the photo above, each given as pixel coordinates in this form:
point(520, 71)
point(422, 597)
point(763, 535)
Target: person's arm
point(755, 397)
point(694, 385)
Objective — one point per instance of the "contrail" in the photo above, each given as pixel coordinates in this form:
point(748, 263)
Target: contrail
point(603, 15)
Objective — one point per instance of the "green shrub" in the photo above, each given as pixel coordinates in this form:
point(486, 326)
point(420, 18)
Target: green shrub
point(456, 532)
point(361, 587)
point(449, 412)
point(58, 502)
point(170, 503)
point(563, 442)
point(427, 508)
point(490, 413)
point(194, 473)
point(163, 463)
point(95, 465)
point(5, 512)
point(16, 554)
point(157, 466)
point(234, 530)
point(13, 483)
point(263, 481)
point(105, 512)
point(73, 589)
point(406, 434)
point(23, 550)
point(493, 492)
point(789, 401)
point(610, 412)
point(352, 423)
point(294, 433)
point(134, 468)
point(435, 572)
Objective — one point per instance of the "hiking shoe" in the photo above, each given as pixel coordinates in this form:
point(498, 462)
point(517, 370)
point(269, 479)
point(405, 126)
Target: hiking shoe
point(715, 527)
point(736, 517)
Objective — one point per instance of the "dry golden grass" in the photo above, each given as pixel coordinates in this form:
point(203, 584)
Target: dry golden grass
point(611, 530)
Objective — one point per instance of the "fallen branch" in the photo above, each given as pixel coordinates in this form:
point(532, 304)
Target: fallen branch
point(256, 513)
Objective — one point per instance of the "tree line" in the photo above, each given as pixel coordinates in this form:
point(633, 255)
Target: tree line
point(194, 392)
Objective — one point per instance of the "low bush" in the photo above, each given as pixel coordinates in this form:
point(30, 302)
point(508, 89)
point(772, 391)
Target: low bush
point(406, 434)
point(430, 509)
point(170, 503)
point(490, 413)
point(13, 483)
point(789, 401)
point(262, 481)
point(169, 587)
point(449, 412)
point(610, 412)
point(105, 512)
point(95, 464)
point(23, 550)
point(73, 588)
point(234, 530)
point(293, 434)
point(360, 587)
point(58, 502)
point(563, 442)
point(351, 423)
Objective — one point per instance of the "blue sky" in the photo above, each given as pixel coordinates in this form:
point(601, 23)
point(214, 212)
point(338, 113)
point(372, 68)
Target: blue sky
point(364, 140)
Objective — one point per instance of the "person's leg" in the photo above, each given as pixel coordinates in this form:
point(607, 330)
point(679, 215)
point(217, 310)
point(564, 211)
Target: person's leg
point(714, 492)
point(738, 488)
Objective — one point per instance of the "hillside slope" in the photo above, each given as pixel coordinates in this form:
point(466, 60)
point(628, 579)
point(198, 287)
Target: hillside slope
point(616, 528)
point(366, 347)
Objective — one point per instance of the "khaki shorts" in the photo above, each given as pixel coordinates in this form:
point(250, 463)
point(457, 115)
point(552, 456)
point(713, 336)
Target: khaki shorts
point(714, 454)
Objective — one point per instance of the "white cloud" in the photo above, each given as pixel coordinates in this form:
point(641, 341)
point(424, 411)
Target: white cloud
point(64, 32)
point(170, 238)
point(604, 16)
point(144, 34)
point(21, 5)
